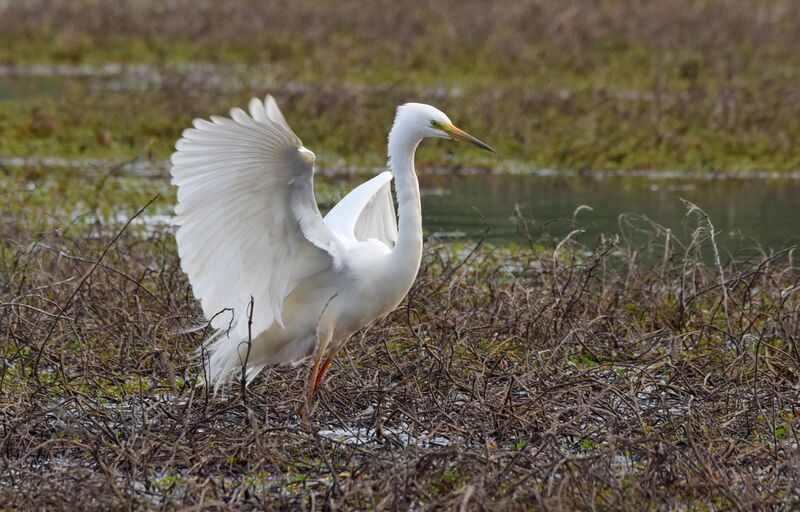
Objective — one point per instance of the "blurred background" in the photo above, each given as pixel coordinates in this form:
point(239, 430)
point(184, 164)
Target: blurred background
point(620, 105)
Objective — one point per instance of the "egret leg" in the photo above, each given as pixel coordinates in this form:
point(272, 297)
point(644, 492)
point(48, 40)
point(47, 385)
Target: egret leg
point(314, 380)
point(322, 372)
point(312, 385)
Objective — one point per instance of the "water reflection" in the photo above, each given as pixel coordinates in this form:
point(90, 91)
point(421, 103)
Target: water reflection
point(743, 211)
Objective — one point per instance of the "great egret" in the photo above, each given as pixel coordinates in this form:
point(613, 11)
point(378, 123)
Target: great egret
point(277, 281)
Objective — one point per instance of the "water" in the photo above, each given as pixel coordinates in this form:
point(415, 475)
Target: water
point(745, 212)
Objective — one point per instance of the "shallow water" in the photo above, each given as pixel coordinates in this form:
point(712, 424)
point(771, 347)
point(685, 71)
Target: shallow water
point(745, 212)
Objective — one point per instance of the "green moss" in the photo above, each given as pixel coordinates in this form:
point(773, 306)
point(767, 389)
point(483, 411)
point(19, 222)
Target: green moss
point(583, 361)
point(447, 481)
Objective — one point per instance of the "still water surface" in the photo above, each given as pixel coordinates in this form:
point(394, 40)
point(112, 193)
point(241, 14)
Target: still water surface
point(745, 212)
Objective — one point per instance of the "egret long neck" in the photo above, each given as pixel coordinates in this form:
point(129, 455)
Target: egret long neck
point(401, 160)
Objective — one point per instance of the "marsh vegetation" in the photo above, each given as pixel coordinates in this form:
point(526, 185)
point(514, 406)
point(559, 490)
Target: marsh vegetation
point(568, 375)
point(633, 367)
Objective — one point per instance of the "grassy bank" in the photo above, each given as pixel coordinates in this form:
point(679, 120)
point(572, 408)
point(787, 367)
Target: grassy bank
point(585, 85)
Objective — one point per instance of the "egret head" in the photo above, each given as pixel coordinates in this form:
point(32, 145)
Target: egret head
point(427, 121)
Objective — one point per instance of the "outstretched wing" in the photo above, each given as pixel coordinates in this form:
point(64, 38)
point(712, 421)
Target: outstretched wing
point(249, 223)
point(366, 212)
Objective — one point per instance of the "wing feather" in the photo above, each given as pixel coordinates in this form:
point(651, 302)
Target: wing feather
point(248, 220)
point(366, 212)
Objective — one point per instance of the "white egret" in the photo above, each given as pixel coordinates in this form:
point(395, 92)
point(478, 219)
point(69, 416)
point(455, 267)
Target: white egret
point(250, 233)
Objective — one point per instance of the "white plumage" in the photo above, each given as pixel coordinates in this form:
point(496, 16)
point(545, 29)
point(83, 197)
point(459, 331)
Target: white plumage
point(366, 212)
point(250, 231)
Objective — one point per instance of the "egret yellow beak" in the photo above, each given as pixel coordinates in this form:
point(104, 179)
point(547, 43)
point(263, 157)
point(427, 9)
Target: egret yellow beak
point(459, 134)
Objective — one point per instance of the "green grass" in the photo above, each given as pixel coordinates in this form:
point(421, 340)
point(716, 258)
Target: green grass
point(603, 87)
point(349, 128)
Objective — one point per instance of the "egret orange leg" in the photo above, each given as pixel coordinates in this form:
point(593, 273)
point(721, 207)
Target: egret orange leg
point(312, 386)
point(322, 372)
